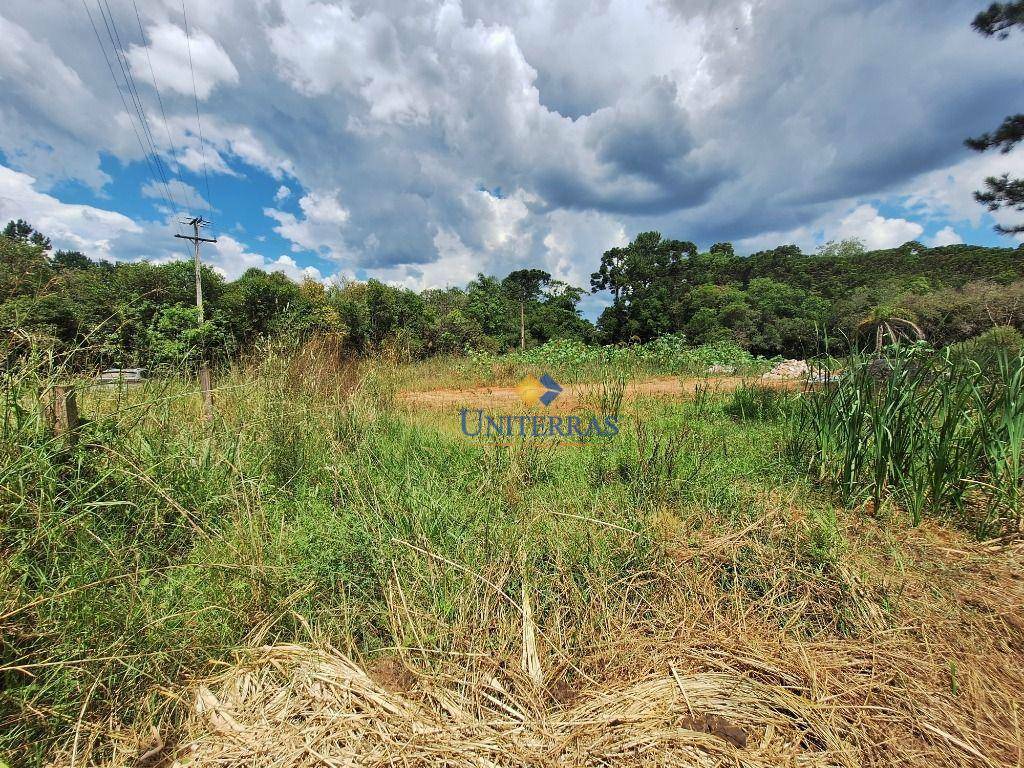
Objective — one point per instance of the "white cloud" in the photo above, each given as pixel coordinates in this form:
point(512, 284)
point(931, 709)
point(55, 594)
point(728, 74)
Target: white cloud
point(570, 241)
point(948, 194)
point(71, 226)
point(456, 266)
point(334, 48)
point(104, 234)
point(184, 197)
point(223, 142)
point(283, 193)
point(713, 124)
point(232, 258)
point(288, 266)
point(169, 53)
point(318, 229)
point(63, 130)
point(575, 241)
point(866, 224)
point(844, 221)
point(945, 236)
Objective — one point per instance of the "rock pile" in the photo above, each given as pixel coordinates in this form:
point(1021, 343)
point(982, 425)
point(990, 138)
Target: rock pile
point(787, 369)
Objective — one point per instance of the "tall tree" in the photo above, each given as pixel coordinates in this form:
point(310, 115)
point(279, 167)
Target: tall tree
point(25, 232)
point(645, 278)
point(1001, 191)
point(71, 260)
point(523, 286)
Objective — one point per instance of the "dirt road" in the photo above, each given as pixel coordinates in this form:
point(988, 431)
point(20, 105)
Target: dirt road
point(575, 395)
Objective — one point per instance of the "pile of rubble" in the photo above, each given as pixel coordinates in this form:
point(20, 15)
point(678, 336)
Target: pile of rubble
point(787, 369)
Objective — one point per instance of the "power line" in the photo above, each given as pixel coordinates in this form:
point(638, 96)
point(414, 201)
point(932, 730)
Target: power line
point(160, 101)
point(199, 123)
point(117, 87)
point(133, 93)
point(120, 93)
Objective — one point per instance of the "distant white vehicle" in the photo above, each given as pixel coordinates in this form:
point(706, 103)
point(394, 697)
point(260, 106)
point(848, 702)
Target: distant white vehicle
point(121, 376)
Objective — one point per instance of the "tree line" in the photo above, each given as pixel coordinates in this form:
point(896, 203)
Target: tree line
point(782, 301)
point(774, 302)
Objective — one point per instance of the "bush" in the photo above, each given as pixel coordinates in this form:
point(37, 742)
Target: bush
point(986, 348)
point(668, 354)
point(759, 402)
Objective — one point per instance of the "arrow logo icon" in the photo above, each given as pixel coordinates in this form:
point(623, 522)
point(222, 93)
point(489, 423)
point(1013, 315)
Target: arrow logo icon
point(543, 390)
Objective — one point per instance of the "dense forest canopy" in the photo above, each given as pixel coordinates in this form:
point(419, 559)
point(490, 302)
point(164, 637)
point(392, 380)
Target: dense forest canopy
point(774, 302)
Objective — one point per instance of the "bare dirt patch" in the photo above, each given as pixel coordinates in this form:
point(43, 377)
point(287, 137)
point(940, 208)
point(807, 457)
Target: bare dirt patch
point(575, 396)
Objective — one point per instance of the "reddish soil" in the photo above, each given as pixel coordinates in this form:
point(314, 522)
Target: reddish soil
point(574, 396)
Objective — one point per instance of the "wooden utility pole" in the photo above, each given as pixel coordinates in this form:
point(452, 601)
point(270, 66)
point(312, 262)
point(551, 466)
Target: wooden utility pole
point(204, 370)
point(522, 325)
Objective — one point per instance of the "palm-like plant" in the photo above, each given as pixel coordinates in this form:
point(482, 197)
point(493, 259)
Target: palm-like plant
point(888, 326)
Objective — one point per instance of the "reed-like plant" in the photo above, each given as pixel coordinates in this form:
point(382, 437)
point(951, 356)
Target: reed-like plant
point(923, 431)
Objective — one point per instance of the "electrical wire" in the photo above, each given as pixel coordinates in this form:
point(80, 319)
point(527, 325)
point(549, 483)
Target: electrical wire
point(199, 123)
point(147, 155)
point(133, 92)
point(163, 114)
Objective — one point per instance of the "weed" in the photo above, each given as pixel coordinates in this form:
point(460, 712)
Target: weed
point(925, 430)
point(756, 401)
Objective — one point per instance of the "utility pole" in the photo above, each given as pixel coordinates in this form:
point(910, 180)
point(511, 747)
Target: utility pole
point(204, 370)
point(522, 325)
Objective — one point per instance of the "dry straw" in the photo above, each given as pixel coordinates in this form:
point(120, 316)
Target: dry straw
point(939, 686)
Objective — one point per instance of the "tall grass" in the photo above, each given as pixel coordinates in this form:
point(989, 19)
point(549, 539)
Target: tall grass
point(923, 431)
point(156, 542)
point(753, 401)
point(572, 362)
point(311, 507)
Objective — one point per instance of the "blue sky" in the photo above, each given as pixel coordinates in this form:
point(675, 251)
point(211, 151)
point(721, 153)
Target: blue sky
point(420, 143)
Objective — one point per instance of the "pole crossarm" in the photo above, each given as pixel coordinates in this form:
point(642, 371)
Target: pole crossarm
point(200, 239)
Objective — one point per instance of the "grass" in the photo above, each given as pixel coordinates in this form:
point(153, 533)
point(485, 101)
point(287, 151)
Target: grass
point(574, 363)
point(313, 511)
point(923, 431)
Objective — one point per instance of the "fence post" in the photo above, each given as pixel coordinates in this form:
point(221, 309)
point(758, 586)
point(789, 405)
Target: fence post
point(60, 411)
point(206, 385)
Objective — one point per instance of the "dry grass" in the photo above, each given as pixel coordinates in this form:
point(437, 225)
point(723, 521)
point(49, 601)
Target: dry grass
point(908, 652)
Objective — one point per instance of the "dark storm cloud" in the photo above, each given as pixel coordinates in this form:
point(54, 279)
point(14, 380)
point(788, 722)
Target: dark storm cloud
point(709, 120)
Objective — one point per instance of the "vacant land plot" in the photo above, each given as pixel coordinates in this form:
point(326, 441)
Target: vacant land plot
point(330, 574)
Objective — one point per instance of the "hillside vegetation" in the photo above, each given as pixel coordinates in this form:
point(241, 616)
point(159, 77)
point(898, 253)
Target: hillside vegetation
point(775, 302)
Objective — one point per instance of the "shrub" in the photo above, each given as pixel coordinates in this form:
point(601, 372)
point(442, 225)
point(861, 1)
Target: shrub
point(668, 354)
point(753, 401)
point(986, 348)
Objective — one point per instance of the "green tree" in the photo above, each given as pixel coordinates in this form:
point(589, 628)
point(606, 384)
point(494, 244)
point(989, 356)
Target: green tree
point(1001, 191)
point(23, 231)
point(645, 278)
point(71, 260)
point(258, 304)
point(524, 286)
point(177, 340)
point(557, 315)
point(24, 268)
point(842, 249)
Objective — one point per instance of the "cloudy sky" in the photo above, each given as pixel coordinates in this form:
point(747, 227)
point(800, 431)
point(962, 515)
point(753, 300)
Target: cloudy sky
point(422, 142)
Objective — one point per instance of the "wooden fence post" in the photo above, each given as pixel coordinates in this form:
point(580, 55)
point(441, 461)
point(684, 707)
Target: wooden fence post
point(60, 411)
point(206, 385)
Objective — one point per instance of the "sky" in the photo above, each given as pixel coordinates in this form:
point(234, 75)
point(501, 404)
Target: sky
point(421, 143)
